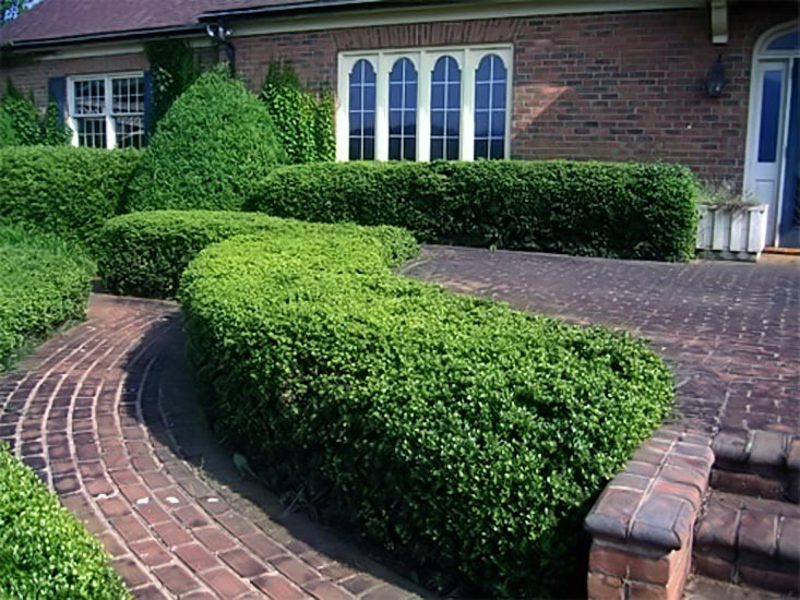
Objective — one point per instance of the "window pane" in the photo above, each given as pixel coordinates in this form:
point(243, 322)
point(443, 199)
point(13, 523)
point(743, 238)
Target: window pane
point(361, 111)
point(130, 132)
point(90, 97)
point(403, 110)
point(127, 95)
point(789, 41)
point(91, 132)
point(490, 107)
point(770, 115)
point(452, 149)
point(446, 105)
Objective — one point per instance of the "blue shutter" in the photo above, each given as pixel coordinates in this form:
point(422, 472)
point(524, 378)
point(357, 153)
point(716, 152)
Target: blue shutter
point(148, 105)
point(57, 91)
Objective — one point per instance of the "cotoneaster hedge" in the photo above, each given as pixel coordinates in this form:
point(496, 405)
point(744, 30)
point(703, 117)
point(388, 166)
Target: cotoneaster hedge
point(145, 254)
point(624, 210)
point(44, 283)
point(64, 190)
point(44, 551)
point(466, 437)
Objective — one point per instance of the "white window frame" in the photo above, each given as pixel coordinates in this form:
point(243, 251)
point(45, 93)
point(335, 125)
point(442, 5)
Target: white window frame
point(111, 132)
point(424, 59)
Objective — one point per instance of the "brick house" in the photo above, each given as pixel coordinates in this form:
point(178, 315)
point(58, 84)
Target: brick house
point(709, 83)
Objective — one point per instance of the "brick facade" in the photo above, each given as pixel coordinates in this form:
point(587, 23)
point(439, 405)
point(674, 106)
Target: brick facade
point(611, 86)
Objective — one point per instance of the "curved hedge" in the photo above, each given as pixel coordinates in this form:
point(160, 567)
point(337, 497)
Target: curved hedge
point(44, 283)
point(467, 437)
point(145, 254)
point(63, 190)
point(44, 551)
point(214, 143)
point(624, 210)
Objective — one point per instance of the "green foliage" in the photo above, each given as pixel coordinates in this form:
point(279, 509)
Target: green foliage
point(29, 125)
point(628, 210)
point(44, 283)
point(45, 552)
point(466, 437)
point(8, 136)
point(174, 69)
point(67, 191)
point(215, 142)
point(303, 122)
point(145, 254)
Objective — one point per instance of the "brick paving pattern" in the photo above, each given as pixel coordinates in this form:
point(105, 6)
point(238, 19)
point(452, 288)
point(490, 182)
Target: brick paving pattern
point(106, 416)
point(731, 331)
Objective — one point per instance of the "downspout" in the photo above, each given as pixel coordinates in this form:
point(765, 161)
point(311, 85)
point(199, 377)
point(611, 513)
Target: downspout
point(220, 34)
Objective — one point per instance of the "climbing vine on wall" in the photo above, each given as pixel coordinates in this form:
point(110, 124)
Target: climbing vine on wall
point(26, 125)
point(173, 68)
point(303, 120)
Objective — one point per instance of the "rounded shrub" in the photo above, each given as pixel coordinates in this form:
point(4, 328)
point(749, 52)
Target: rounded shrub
point(623, 210)
point(44, 551)
point(64, 190)
point(466, 437)
point(145, 254)
point(44, 283)
point(210, 148)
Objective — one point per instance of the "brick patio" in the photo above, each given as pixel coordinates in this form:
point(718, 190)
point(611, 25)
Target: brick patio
point(106, 416)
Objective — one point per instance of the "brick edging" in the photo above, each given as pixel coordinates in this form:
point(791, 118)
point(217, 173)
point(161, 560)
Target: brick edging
point(643, 522)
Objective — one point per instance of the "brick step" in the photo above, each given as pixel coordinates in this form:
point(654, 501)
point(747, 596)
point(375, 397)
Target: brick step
point(754, 541)
point(763, 464)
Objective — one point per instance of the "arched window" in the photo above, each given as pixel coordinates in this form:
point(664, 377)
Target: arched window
point(445, 109)
point(403, 111)
point(787, 41)
point(362, 111)
point(490, 107)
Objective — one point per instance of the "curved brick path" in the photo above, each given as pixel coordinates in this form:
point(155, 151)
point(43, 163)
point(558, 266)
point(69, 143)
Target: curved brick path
point(730, 330)
point(106, 416)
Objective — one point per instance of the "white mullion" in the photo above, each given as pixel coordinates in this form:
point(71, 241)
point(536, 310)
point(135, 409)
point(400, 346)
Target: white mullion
point(508, 58)
point(111, 133)
point(382, 109)
point(343, 111)
point(424, 76)
point(468, 105)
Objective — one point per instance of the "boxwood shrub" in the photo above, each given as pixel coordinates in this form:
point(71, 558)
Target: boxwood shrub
point(213, 144)
point(625, 210)
point(144, 254)
point(44, 551)
point(44, 283)
point(63, 190)
point(467, 437)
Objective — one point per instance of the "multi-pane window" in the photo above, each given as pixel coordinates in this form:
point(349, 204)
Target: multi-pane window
point(424, 104)
point(403, 111)
point(107, 111)
point(362, 111)
point(490, 108)
point(445, 109)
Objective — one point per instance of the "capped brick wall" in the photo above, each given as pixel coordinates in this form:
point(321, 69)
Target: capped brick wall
point(616, 86)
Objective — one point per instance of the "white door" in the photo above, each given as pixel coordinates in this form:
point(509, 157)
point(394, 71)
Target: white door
point(768, 151)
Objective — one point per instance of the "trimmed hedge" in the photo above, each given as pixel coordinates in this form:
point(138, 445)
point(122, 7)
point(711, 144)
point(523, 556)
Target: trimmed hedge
point(44, 283)
point(624, 210)
point(214, 143)
point(466, 437)
point(44, 551)
point(145, 254)
point(63, 190)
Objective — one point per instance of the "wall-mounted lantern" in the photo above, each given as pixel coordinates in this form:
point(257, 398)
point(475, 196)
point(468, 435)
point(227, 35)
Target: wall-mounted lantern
point(715, 79)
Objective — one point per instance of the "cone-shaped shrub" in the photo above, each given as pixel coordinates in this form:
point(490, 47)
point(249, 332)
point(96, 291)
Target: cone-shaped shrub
point(216, 141)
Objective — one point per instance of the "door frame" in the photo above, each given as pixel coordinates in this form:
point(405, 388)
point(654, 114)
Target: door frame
point(760, 55)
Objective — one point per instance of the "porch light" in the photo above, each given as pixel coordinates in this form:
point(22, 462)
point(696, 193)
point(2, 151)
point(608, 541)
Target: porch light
point(715, 79)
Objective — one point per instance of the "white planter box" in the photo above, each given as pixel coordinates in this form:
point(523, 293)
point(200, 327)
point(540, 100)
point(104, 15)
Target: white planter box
point(732, 233)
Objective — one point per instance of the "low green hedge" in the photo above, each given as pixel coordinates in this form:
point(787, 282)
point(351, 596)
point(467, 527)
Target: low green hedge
point(44, 283)
point(144, 254)
point(467, 437)
point(624, 210)
point(63, 190)
point(44, 551)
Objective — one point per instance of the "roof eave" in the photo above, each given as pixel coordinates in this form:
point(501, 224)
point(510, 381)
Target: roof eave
point(133, 34)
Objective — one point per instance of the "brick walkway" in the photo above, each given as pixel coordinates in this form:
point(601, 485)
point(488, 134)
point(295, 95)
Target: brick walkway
point(731, 330)
point(106, 416)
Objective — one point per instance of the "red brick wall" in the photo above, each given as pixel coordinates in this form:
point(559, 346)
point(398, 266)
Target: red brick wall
point(617, 86)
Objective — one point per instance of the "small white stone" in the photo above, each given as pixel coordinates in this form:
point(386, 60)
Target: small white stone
point(212, 500)
point(142, 501)
point(172, 500)
point(102, 496)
